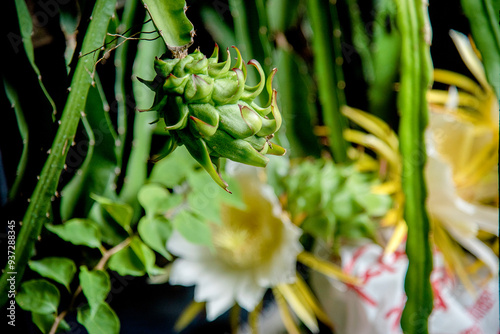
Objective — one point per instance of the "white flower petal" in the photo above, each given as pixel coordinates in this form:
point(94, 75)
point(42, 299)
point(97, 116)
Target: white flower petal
point(179, 246)
point(444, 203)
point(185, 272)
point(248, 293)
point(281, 268)
point(214, 281)
point(469, 57)
point(479, 249)
point(234, 272)
point(217, 306)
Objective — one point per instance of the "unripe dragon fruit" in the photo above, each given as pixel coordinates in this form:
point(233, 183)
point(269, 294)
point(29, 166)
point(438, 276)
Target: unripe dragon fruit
point(207, 107)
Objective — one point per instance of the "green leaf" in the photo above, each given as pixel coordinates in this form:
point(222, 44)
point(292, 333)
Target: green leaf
point(122, 213)
point(60, 269)
point(126, 262)
point(322, 226)
point(375, 205)
point(359, 226)
point(145, 255)
point(78, 231)
point(155, 232)
point(343, 204)
point(104, 320)
point(170, 19)
point(44, 322)
point(156, 199)
point(173, 169)
point(39, 296)
point(95, 286)
point(192, 228)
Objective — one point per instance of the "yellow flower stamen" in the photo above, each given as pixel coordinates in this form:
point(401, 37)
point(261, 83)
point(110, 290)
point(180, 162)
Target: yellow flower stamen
point(299, 306)
point(397, 237)
point(187, 316)
point(285, 314)
point(327, 268)
point(313, 303)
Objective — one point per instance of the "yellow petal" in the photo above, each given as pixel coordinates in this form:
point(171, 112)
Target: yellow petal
point(313, 303)
point(234, 318)
point(397, 237)
point(374, 143)
point(286, 316)
point(452, 255)
point(465, 100)
point(326, 268)
point(299, 306)
point(386, 188)
point(469, 57)
point(392, 217)
point(189, 313)
point(253, 319)
point(459, 80)
point(373, 125)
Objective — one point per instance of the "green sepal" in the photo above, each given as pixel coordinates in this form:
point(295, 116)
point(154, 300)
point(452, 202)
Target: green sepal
point(239, 61)
point(198, 89)
point(235, 149)
point(199, 151)
point(228, 90)
point(214, 58)
point(270, 126)
point(258, 143)
point(159, 102)
point(240, 121)
point(199, 65)
point(164, 67)
point(174, 84)
point(217, 70)
point(201, 128)
point(275, 149)
point(204, 119)
point(250, 93)
point(176, 114)
point(179, 69)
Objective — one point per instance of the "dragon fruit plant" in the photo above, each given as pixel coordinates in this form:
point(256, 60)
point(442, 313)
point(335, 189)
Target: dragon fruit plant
point(208, 107)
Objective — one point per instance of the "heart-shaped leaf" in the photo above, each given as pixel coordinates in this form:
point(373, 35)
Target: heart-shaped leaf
point(104, 320)
point(95, 286)
point(60, 269)
point(78, 232)
point(38, 296)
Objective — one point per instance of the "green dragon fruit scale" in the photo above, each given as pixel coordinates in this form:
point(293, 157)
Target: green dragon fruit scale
point(207, 106)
